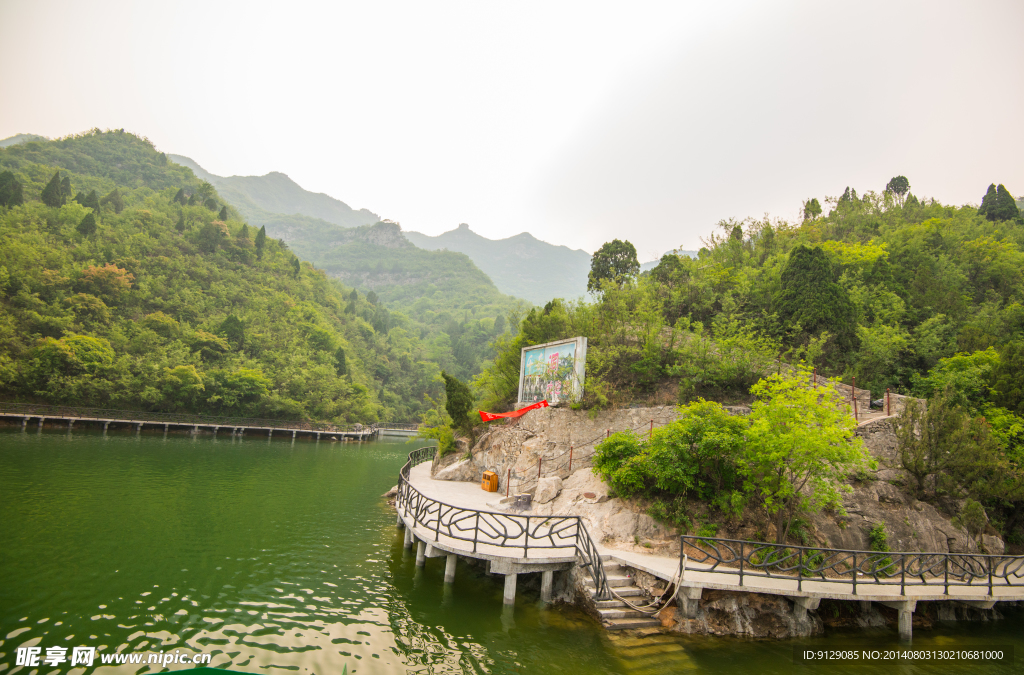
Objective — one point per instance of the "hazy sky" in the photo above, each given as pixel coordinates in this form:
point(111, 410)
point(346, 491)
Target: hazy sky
point(578, 122)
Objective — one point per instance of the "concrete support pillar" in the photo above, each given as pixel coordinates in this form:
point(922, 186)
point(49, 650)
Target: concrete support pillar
point(24, 422)
point(547, 578)
point(801, 605)
point(166, 427)
point(318, 437)
point(421, 554)
point(138, 427)
point(689, 598)
point(510, 589)
point(398, 520)
point(905, 613)
point(105, 425)
point(215, 430)
point(70, 424)
point(449, 568)
point(906, 618)
point(408, 538)
point(195, 430)
point(41, 422)
point(865, 606)
point(270, 433)
point(293, 434)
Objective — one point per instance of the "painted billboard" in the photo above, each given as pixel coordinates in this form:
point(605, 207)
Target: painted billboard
point(553, 371)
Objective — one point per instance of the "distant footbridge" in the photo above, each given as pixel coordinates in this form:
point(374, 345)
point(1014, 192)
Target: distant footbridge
point(68, 416)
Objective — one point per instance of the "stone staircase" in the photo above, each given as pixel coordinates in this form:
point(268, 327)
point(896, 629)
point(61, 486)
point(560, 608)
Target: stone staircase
point(615, 614)
point(651, 654)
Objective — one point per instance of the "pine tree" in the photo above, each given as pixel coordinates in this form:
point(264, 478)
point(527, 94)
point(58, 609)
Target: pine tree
point(458, 403)
point(341, 366)
point(244, 232)
point(812, 298)
point(192, 201)
point(114, 199)
point(65, 190)
point(297, 266)
point(181, 197)
point(354, 295)
point(92, 201)
point(233, 331)
point(52, 195)
point(10, 190)
point(180, 226)
point(88, 225)
point(223, 215)
point(211, 204)
point(261, 241)
point(998, 204)
point(371, 298)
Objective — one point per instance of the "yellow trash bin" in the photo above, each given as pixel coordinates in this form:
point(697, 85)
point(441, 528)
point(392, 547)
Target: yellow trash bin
point(489, 483)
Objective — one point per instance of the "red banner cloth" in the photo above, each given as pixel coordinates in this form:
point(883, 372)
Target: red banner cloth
point(489, 417)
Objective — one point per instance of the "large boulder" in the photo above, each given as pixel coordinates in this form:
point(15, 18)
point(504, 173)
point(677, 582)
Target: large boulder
point(547, 489)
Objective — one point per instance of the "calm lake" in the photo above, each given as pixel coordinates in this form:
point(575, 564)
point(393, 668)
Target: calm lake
point(280, 556)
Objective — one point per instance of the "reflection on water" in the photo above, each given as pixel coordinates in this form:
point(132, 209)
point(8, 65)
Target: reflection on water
point(281, 555)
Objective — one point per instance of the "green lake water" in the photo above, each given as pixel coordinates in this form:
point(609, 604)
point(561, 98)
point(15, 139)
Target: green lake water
point(282, 557)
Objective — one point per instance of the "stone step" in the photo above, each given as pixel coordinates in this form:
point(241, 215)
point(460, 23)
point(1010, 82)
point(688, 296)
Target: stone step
point(615, 581)
point(650, 650)
point(621, 613)
point(609, 604)
point(629, 642)
point(626, 624)
point(624, 591)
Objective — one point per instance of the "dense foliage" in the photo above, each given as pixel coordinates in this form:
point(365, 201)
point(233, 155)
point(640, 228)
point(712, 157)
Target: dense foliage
point(789, 458)
point(149, 298)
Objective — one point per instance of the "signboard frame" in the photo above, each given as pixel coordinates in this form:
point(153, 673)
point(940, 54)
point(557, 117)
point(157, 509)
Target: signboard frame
point(538, 387)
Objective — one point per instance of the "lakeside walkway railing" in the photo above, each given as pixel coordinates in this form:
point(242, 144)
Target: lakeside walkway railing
point(55, 411)
point(510, 533)
point(866, 568)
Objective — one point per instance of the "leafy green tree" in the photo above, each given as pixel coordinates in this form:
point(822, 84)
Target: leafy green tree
point(615, 261)
point(10, 190)
point(848, 196)
point(1008, 378)
point(115, 200)
point(898, 186)
point(800, 449)
point(958, 453)
point(223, 215)
point(499, 324)
point(193, 200)
point(812, 209)
point(813, 299)
point(88, 225)
point(693, 456)
point(458, 403)
point(52, 195)
point(372, 298)
point(972, 518)
point(180, 225)
point(261, 241)
point(211, 204)
point(998, 204)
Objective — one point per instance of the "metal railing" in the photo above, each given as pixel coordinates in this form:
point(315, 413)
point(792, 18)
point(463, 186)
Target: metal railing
point(54, 411)
point(897, 568)
point(512, 533)
point(399, 426)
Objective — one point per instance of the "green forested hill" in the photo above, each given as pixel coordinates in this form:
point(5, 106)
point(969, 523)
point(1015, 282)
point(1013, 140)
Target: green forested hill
point(139, 288)
point(449, 303)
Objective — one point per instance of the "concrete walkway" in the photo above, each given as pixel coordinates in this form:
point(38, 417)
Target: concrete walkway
point(805, 593)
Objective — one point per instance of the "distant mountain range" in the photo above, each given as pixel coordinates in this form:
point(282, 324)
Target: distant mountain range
point(21, 138)
point(257, 197)
point(521, 265)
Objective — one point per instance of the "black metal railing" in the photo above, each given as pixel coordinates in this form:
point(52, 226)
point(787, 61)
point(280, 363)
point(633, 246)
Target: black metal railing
point(135, 416)
point(511, 532)
point(897, 568)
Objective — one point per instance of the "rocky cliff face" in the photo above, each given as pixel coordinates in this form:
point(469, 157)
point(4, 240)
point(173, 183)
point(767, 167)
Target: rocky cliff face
point(541, 442)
